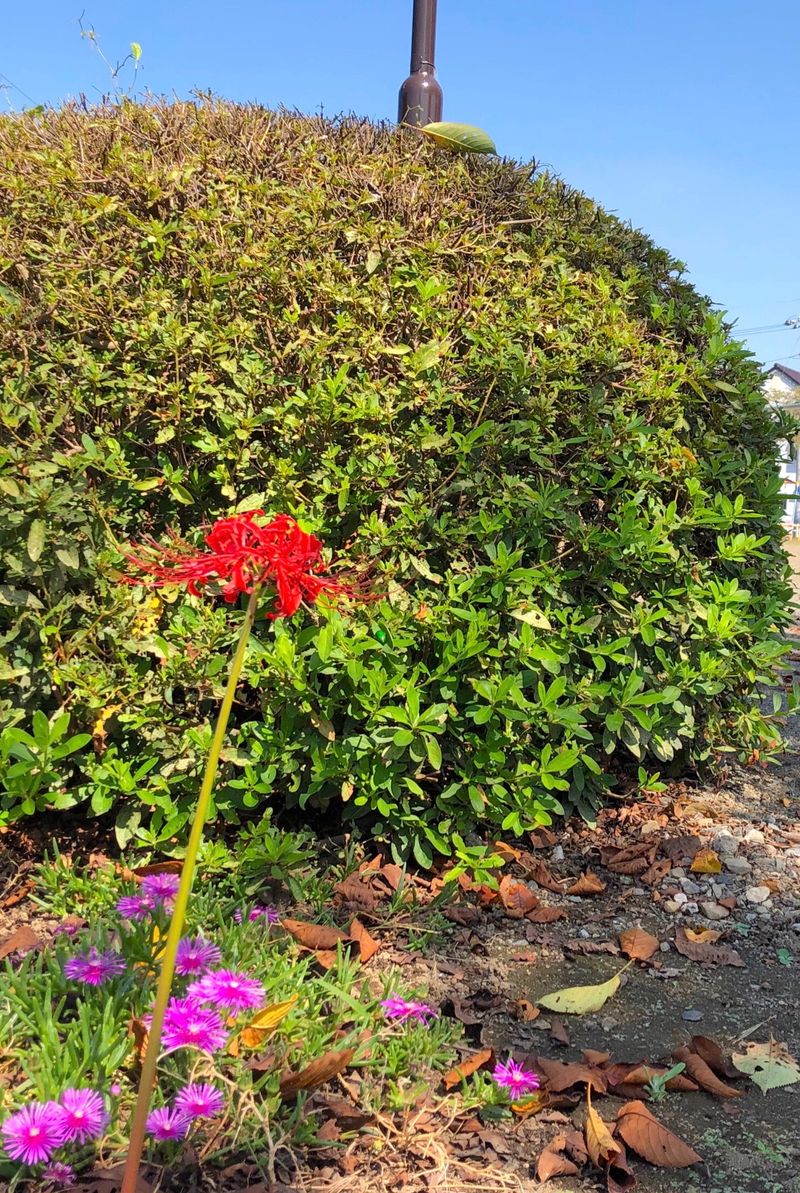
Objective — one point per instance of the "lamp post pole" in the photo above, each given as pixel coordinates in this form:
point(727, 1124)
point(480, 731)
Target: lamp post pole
point(420, 100)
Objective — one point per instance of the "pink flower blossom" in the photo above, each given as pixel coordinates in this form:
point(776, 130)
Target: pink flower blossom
point(232, 991)
point(195, 956)
point(93, 968)
point(400, 1008)
point(85, 1115)
point(512, 1077)
point(59, 1174)
point(166, 1123)
point(135, 907)
point(257, 913)
point(161, 888)
point(188, 1024)
point(34, 1132)
point(199, 1101)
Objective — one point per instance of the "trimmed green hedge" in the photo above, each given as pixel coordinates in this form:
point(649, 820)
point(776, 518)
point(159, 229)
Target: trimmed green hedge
point(558, 464)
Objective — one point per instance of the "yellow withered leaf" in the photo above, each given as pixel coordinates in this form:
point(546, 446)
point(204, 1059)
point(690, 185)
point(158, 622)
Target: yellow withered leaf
point(706, 862)
point(582, 1000)
point(600, 1145)
point(262, 1023)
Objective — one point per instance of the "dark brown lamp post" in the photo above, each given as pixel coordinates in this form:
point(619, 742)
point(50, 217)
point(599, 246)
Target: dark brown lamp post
point(421, 96)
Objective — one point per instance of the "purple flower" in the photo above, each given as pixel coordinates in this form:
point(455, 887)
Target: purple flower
point(199, 1101)
point(67, 927)
point(400, 1008)
point(512, 1077)
point(59, 1174)
point(195, 956)
point(135, 907)
point(161, 888)
point(85, 1115)
point(257, 913)
point(93, 968)
point(187, 1024)
point(231, 991)
point(165, 1123)
point(34, 1132)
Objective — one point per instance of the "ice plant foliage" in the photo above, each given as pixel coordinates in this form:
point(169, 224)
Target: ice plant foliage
point(400, 1008)
point(196, 957)
point(244, 553)
point(513, 1078)
point(34, 1132)
point(94, 968)
point(199, 1101)
point(233, 992)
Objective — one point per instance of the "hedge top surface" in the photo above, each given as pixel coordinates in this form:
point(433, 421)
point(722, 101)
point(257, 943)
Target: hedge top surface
point(461, 370)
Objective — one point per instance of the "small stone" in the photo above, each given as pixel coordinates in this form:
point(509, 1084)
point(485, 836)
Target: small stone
point(725, 844)
point(558, 854)
point(713, 911)
point(757, 894)
point(794, 851)
point(738, 865)
point(690, 908)
point(729, 901)
point(671, 906)
point(754, 836)
point(680, 899)
point(717, 890)
point(649, 826)
point(666, 948)
point(796, 927)
point(609, 1023)
point(583, 933)
point(690, 887)
point(677, 872)
point(692, 1016)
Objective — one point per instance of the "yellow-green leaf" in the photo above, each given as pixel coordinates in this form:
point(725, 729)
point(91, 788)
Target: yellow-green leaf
point(464, 138)
point(582, 1000)
point(533, 617)
point(36, 539)
point(768, 1065)
point(260, 1026)
point(136, 51)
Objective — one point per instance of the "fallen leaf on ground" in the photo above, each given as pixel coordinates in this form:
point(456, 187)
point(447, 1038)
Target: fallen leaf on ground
point(356, 889)
point(553, 1162)
point(317, 1073)
point(546, 915)
point(517, 897)
point(706, 954)
point(525, 1011)
point(651, 1140)
point(137, 1030)
point(478, 1060)
point(588, 947)
point(587, 884)
point(599, 1142)
point(680, 847)
point(314, 936)
point(769, 1065)
point(638, 1075)
point(367, 945)
point(712, 1054)
point(563, 1074)
point(638, 944)
point(582, 1000)
point(534, 1104)
point(706, 861)
point(22, 940)
point(261, 1025)
point(633, 859)
point(654, 874)
point(595, 1058)
point(539, 873)
point(17, 895)
point(705, 1077)
point(619, 1176)
point(703, 935)
point(507, 852)
point(559, 1031)
point(542, 838)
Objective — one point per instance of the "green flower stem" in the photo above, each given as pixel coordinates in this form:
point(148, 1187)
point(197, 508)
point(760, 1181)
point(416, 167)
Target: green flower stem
point(178, 919)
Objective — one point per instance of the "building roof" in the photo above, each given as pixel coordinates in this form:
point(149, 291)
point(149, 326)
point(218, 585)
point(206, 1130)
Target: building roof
point(791, 375)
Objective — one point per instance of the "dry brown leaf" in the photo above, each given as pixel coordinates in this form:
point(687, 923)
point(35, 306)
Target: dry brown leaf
point(138, 1032)
point(541, 874)
point(517, 897)
point(619, 1176)
point(317, 1073)
point(314, 936)
point(562, 1074)
point(633, 859)
point(702, 935)
point(542, 838)
point(526, 1011)
point(637, 1075)
point(357, 890)
point(658, 871)
point(587, 884)
point(706, 861)
point(367, 945)
point(559, 1032)
point(651, 1140)
point(507, 852)
point(478, 1060)
point(677, 848)
point(706, 954)
point(705, 1077)
point(638, 944)
point(586, 948)
point(22, 940)
point(546, 915)
point(710, 1051)
point(553, 1162)
point(325, 958)
point(595, 1058)
point(599, 1142)
point(17, 895)
point(533, 1104)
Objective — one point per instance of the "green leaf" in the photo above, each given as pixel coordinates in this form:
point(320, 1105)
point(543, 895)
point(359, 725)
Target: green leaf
point(463, 138)
point(19, 597)
point(36, 540)
point(531, 616)
point(136, 51)
point(69, 556)
point(373, 261)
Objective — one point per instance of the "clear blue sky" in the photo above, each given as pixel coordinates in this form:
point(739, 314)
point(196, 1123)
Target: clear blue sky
point(681, 117)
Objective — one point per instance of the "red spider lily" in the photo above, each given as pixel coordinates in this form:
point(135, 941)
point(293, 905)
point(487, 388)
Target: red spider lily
point(244, 554)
